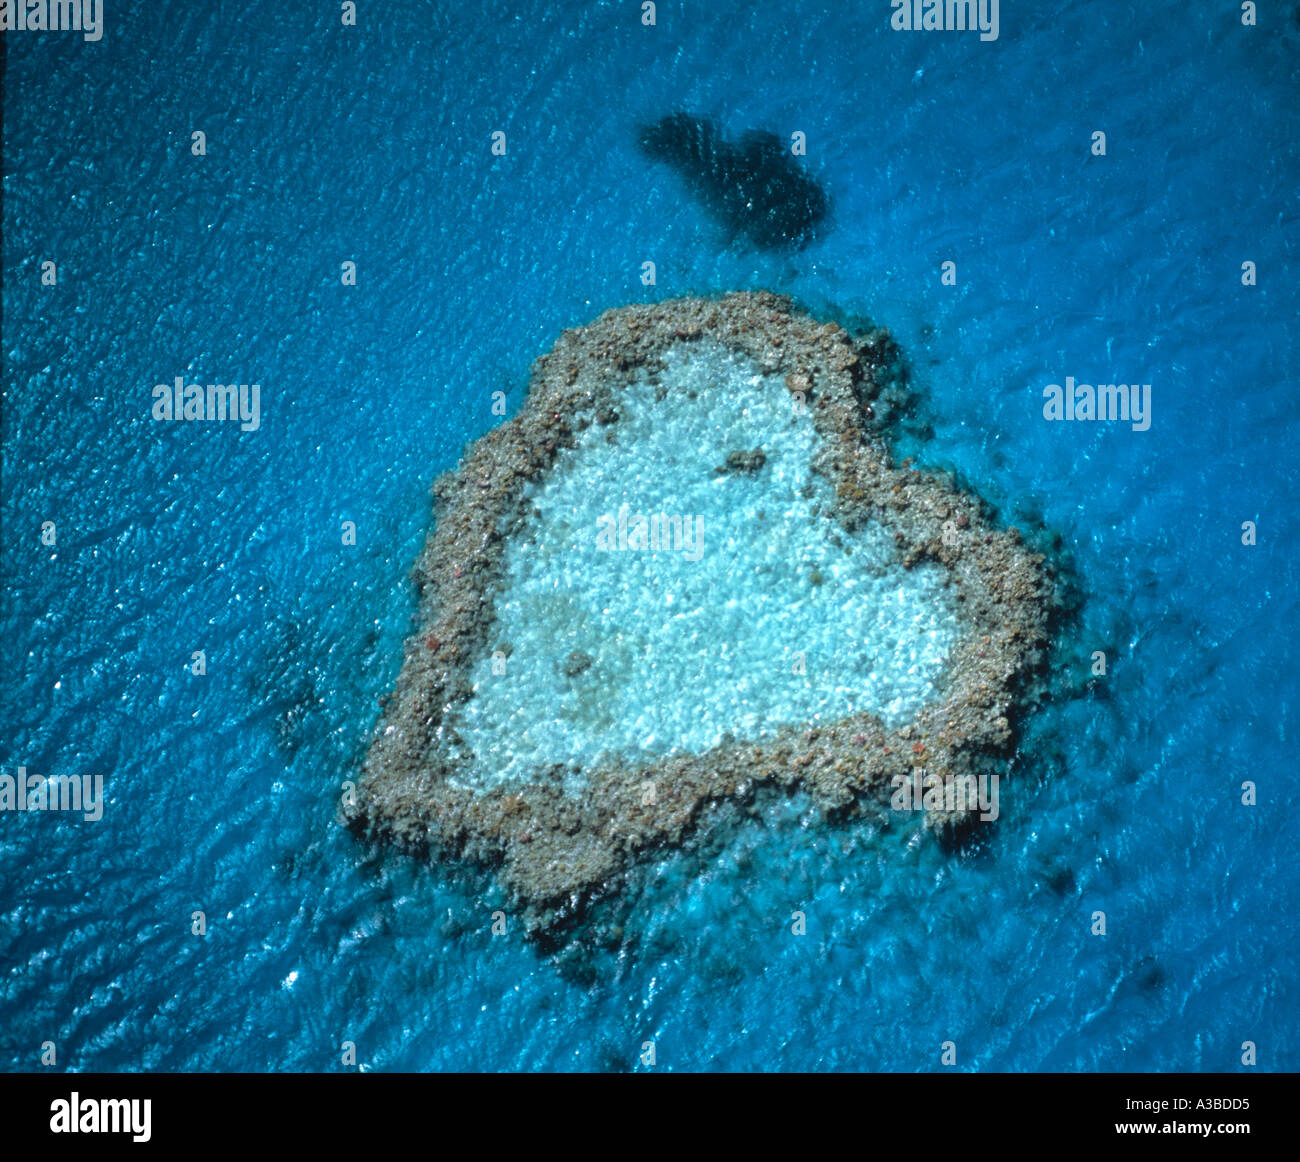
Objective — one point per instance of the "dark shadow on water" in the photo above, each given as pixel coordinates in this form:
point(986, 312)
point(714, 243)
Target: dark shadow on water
point(1147, 976)
point(754, 185)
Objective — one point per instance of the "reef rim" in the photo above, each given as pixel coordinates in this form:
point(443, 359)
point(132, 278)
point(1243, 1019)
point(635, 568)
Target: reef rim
point(554, 851)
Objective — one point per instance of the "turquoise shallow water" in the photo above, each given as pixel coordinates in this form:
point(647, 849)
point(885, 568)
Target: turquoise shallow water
point(372, 144)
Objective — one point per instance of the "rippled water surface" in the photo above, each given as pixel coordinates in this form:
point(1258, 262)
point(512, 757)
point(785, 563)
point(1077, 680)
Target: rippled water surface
point(371, 145)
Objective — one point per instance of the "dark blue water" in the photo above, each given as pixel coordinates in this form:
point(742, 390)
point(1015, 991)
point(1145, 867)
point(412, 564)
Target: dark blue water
point(372, 144)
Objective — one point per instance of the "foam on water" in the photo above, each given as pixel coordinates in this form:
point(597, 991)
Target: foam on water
point(765, 612)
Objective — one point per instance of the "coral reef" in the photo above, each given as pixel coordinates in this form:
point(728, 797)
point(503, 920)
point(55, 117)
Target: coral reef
point(562, 835)
point(753, 185)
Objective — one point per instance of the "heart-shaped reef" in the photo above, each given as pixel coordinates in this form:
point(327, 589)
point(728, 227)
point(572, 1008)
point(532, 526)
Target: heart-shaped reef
point(687, 567)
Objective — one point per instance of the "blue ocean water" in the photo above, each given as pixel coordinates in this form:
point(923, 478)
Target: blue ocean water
point(372, 144)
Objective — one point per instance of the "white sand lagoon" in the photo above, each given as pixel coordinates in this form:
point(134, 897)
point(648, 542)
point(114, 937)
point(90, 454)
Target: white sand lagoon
point(655, 604)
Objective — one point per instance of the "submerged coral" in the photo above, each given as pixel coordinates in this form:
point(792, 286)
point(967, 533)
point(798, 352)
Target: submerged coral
point(686, 569)
point(753, 186)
